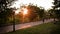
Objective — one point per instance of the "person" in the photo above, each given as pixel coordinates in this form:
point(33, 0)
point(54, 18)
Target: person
point(43, 20)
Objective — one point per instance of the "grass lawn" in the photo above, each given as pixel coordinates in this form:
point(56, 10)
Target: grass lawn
point(39, 29)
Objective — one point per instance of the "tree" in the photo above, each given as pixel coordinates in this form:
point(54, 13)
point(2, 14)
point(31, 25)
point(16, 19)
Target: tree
point(6, 12)
point(52, 14)
point(35, 11)
point(56, 8)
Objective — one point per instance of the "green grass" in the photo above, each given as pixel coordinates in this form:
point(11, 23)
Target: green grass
point(39, 29)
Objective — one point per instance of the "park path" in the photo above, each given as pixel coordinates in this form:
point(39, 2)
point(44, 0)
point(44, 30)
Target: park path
point(22, 26)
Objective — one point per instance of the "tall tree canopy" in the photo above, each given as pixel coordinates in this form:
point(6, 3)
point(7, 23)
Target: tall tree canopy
point(5, 12)
point(35, 11)
point(57, 8)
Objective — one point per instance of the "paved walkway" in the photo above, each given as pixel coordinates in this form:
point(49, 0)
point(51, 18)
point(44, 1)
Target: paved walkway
point(21, 26)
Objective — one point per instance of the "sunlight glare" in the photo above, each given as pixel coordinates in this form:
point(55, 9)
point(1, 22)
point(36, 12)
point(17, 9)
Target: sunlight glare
point(17, 11)
point(25, 11)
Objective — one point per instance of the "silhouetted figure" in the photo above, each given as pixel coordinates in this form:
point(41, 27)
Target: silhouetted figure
point(43, 20)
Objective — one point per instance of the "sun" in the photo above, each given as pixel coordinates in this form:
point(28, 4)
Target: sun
point(22, 10)
point(25, 11)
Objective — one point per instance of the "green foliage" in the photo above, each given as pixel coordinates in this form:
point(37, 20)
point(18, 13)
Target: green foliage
point(56, 3)
point(51, 13)
point(5, 12)
point(35, 11)
point(57, 15)
point(55, 8)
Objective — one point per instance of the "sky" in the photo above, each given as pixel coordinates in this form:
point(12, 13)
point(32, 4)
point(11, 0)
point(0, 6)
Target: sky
point(44, 3)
